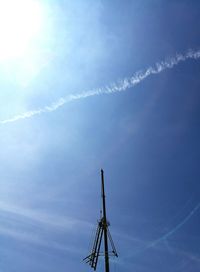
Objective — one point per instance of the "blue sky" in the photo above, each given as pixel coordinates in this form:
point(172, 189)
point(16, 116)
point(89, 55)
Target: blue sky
point(146, 138)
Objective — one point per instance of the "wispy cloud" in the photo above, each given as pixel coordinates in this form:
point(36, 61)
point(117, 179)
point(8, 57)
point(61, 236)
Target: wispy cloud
point(167, 235)
point(31, 225)
point(119, 86)
point(37, 239)
point(160, 244)
point(42, 218)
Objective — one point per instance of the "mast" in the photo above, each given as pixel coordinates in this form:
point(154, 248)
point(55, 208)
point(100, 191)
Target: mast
point(102, 230)
point(105, 225)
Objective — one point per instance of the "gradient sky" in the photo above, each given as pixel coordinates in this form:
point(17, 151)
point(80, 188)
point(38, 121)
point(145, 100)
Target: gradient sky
point(146, 139)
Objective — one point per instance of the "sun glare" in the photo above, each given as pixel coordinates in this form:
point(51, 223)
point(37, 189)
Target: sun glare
point(20, 23)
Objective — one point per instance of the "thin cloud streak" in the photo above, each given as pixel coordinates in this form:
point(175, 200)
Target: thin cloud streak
point(41, 218)
point(155, 244)
point(166, 235)
point(31, 226)
point(37, 239)
point(119, 86)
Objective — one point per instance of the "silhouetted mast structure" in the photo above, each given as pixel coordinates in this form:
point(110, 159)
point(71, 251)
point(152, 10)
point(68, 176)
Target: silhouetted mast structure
point(102, 230)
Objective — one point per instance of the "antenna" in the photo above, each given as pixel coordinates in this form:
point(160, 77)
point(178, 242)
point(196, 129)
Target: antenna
point(102, 230)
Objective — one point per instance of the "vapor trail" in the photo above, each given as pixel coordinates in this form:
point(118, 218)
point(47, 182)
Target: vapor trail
point(114, 87)
point(168, 234)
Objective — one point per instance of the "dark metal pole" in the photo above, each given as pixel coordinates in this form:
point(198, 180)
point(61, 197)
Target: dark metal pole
point(102, 230)
point(105, 225)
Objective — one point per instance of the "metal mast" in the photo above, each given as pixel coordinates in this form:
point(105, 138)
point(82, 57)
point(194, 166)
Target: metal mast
point(102, 229)
point(105, 225)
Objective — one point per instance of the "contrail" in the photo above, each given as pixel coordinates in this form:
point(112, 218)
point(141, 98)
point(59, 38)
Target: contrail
point(168, 234)
point(114, 87)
